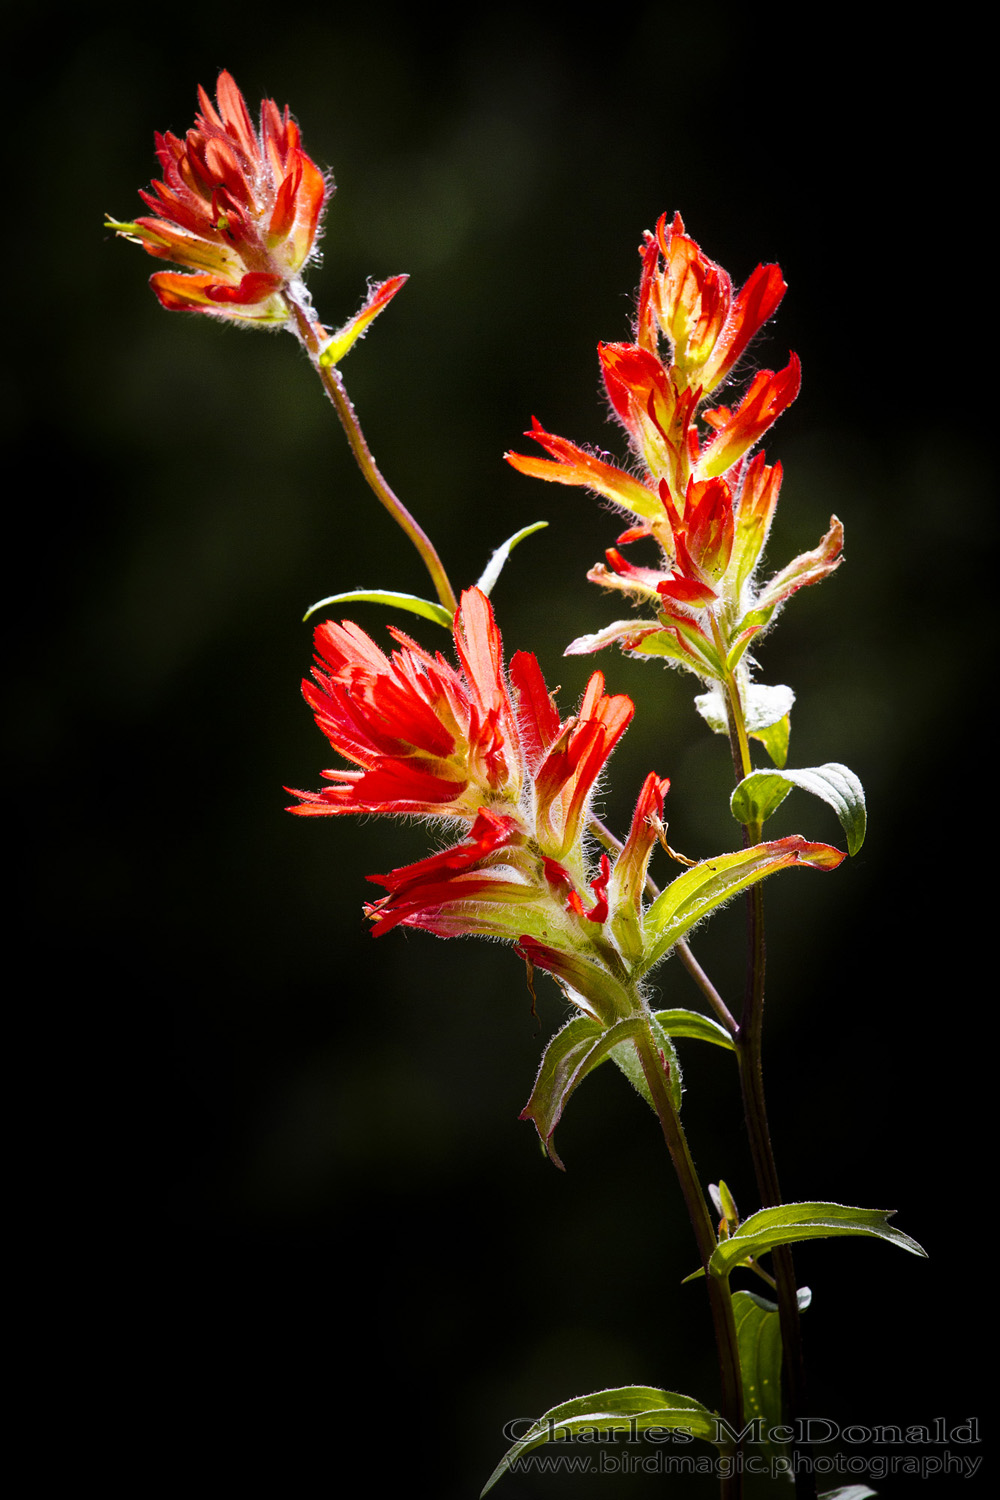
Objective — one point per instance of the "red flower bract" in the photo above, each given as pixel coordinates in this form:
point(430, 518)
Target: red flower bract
point(698, 494)
point(429, 738)
point(239, 207)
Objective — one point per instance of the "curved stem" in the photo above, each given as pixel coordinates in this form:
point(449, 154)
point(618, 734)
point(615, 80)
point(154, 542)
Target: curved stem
point(719, 1295)
point(333, 384)
point(749, 1044)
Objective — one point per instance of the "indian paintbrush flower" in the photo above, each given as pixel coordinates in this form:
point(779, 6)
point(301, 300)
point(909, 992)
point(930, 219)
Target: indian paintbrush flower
point(240, 209)
point(487, 748)
point(699, 495)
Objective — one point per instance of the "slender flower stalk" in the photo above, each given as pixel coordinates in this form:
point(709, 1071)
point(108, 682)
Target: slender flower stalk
point(317, 345)
point(241, 210)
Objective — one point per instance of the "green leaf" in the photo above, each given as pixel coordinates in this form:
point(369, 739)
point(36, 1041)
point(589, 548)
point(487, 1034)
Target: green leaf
point(692, 1023)
point(626, 1409)
point(775, 740)
point(571, 1054)
point(794, 1222)
point(760, 793)
point(416, 606)
point(699, 891)
point(494, 567)
point(758, 1335)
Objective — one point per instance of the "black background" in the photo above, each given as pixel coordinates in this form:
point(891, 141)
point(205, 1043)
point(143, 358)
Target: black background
point(286, 1209)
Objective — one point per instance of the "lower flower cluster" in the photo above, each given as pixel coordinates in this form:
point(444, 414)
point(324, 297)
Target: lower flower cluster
point(487, 747)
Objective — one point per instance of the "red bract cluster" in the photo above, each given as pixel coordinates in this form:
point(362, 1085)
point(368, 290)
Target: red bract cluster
point(699, 495)
point(240, 208)
point(488, 747)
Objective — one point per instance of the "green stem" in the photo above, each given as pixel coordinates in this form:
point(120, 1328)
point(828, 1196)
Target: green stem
point(333, 384)
point(604, 836)
point(749, 1051)
point(719, 1295)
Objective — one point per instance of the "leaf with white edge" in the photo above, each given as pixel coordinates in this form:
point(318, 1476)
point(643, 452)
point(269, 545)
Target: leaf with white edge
point(758, 1335)
point(571, 1054)
point(415, 605)
point(793, 1223)
point(627, 1409)
point(763, 706)
point(691, 1023)
point(494, 567)
point(712, 707)
point(619, 630)
point(760, 793)
point(701, 890)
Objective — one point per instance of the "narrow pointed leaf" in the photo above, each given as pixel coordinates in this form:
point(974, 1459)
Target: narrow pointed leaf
point(355, 328)
point(692, 1023)
point(626, 1409)
point(796, 1222)
point(415, 605)
point(699, 891)
point(758, 794)
point(571, 1054)
point(619, 631)
point(494, 567)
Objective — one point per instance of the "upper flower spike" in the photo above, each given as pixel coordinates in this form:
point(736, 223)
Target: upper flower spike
point(690, 299)
point(695, 490)
point(240, 208)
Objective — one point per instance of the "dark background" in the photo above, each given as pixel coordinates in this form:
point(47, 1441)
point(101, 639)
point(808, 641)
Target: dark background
point(282, 1187)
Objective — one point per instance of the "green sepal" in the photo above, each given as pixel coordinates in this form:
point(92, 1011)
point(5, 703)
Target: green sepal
point(626, 1409)
point(415, 605)
point(692, 1023)
point(699, 891)
point(666, 643)
point(571, 1054)
point(494, 567)
point(775, 740)
point(760, 793)
point(583, 1044)
point(695, 647)
point(793, 1223)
